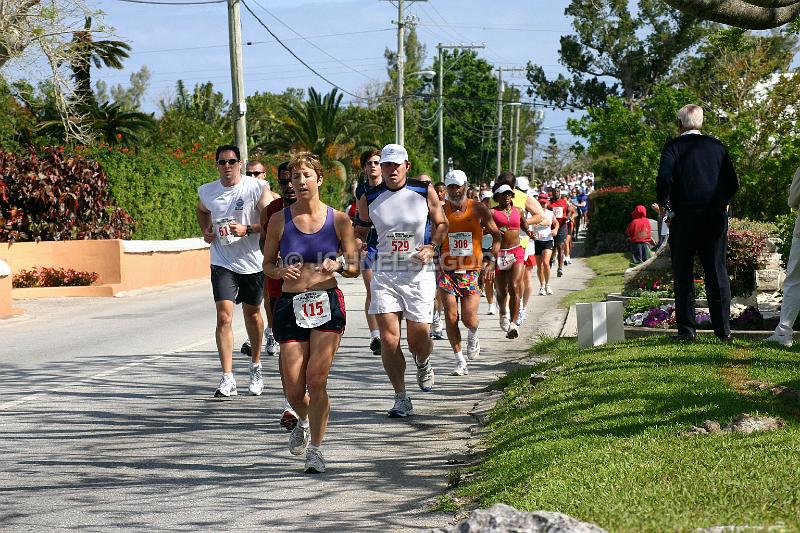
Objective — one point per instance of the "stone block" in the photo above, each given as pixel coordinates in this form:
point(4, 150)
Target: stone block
point(599, 323)
point(769, 280)
point(770, 261)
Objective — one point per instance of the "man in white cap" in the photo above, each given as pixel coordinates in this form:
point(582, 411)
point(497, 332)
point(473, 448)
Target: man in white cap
point(403, 275)
point(460, 260)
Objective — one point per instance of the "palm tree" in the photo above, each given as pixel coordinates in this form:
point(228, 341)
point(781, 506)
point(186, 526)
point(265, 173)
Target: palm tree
point(115, 125)
point(89, 52)
point(321, 125)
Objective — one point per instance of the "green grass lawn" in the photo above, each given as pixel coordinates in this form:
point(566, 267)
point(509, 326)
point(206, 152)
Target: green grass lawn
point(599, 440)
point(610, 269)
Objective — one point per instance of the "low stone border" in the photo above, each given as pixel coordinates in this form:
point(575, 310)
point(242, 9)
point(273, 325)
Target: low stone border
point(635, 332)
point(618, 297)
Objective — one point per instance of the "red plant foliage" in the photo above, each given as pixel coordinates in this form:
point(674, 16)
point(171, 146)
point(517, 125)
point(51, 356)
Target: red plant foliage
point(54, 196)
point(53, 277)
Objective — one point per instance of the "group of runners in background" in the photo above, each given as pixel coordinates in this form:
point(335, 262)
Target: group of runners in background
point(426, 254)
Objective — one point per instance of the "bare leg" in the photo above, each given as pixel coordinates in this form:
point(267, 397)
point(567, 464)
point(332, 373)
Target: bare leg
point(394, 363)
point(224, 334)
point(254, 323)
point(323, 347)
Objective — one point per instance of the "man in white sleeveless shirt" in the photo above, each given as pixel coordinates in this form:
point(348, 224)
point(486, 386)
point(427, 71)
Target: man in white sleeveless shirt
point(228, 214)
point(403, 279)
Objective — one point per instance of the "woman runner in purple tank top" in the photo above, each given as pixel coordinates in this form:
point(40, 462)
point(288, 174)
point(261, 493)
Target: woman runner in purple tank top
point(309, 316)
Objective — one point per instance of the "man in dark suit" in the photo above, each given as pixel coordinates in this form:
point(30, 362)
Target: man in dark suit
point(696, 180)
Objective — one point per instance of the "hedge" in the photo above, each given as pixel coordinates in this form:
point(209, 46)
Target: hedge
point(610, 213)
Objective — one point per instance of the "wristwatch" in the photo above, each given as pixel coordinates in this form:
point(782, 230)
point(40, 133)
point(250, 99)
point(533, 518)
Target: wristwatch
point(249, 230)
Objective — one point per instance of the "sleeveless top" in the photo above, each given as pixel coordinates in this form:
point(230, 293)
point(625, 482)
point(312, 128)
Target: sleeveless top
point(506, 222)
point(372, 237)
point(399, 217)
point(544, 231)
point(297, 246)
point(238, 203)
point(461, 249)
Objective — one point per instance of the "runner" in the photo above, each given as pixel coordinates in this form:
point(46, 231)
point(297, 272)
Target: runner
point(226, 212)
point(310, 314)
point(403, 280)
point(255, 169)
point(527, 204)
point(486, 247)
point(526, 242)
point(461, 260)
point(370, 162)
point(543, 234)
point(272, 287)
point(437, 329)
point(511, 258)
point(558, 204)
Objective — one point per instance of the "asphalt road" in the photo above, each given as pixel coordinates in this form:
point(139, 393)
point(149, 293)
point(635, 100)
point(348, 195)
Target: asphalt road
point(107, 420)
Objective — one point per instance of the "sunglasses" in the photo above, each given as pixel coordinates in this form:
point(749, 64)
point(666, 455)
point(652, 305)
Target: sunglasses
point(285, 182)
point(376, 163)
point(223, 162)
point(254, 173)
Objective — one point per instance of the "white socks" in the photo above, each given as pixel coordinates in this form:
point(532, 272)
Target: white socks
point(460, 357)
point(374, 334)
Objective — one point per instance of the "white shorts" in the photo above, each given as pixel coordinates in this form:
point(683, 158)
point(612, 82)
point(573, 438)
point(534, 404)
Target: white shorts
point(399, 292)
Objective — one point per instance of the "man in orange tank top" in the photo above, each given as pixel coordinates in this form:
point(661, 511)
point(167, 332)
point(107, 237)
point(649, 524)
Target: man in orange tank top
point(461, 259)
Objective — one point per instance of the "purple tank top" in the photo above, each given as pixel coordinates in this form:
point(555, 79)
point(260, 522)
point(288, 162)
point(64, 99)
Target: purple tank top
point(297, 246)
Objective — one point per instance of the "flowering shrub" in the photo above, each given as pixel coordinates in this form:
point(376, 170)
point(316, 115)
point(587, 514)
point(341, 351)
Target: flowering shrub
point(747, 240)
point(53, 277)
point(663, 316)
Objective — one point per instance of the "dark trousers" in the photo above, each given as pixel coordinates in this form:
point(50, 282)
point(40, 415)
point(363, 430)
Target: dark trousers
point(703, 232)
point(640, 252)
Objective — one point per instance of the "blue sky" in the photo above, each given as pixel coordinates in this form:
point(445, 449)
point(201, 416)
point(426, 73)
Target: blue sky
point(190, 42)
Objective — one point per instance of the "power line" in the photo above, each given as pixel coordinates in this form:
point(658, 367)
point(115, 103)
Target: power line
point(311, 43)
point(309, 67)
point(250, 43)
point(198, 2)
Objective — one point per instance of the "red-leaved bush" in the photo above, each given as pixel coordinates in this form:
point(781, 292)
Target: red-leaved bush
point(56, 197)
point(52, 277)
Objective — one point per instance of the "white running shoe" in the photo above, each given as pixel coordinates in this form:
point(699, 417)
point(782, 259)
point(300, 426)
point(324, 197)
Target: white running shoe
point(542, 291)
point(270, 345)
point(288, 419)
point(402, 408)
point(521, 317)
point(492, 308)
point(315, 464)
point(256, 380)
point(549, 289)
point(226, 387)
point(567, 260)
point(512, 332)
point(473, 347)
point(504, 322)
point(783, 340)
point(425, 377)
point(460, 369)
point(298, 440)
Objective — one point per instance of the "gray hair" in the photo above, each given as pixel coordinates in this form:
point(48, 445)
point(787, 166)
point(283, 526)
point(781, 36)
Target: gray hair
point(691, 117)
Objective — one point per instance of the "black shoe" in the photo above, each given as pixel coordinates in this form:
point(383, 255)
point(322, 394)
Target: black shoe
point(680, 337)
point(727, 339)
point(375, 346)
point(246, 349)
point(559, 273)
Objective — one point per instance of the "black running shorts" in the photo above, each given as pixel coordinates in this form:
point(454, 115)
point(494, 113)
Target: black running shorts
point(284, 323)
point(238, 288)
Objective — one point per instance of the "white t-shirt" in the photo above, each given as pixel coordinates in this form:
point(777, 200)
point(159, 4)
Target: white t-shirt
point(543, 231)
point(234, 204)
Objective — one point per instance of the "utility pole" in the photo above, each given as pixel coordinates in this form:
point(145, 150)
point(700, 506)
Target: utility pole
point(440, 111)
point(511, 107)
point(399, 122)
point(500, 112)
point(237, 78)
point(499, 117)
point(516, 142)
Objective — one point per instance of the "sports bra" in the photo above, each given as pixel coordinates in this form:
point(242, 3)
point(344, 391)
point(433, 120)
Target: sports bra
point(297, 246)
point(510, 222)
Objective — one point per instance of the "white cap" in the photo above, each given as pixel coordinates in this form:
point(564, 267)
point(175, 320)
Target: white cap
point(503, 188)
point(394, 153)
point(522, 184)
point(486, 194)
point(455, 177)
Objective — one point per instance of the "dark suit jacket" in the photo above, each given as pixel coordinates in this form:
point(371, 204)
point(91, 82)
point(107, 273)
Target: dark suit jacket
point(695, 172)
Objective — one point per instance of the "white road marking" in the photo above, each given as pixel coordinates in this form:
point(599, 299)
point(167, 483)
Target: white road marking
point(181, 349)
